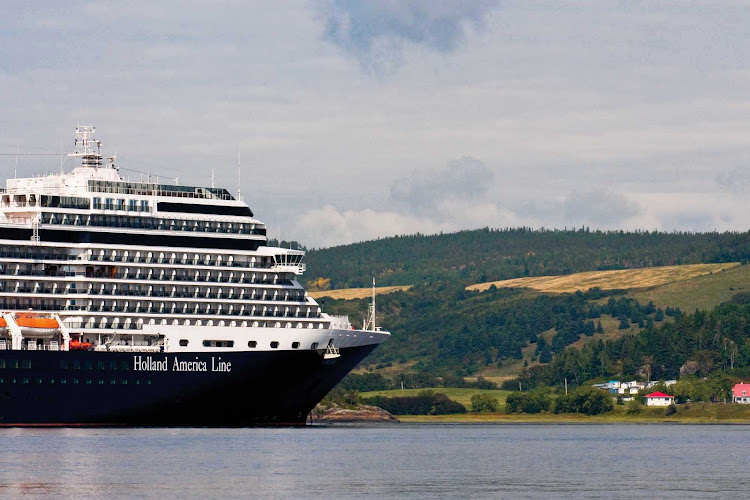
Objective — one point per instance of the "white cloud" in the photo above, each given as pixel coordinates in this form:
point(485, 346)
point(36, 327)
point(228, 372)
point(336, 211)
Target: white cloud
point(328, 226)
point(425, 192)
point(598, 208)
point(639, 104)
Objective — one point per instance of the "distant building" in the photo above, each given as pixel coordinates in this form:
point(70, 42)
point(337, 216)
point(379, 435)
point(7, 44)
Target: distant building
point(659, 399)
point(741, 393)
point(655, 382)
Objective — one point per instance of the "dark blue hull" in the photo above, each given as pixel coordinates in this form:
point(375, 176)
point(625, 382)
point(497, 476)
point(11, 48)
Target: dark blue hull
point(158, 389)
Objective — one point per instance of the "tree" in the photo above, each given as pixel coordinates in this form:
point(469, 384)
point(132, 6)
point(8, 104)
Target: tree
point(659, 315)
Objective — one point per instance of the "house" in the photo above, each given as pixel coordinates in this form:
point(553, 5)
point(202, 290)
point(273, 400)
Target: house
point(631, 387)
point(741, 393)
point(659, 399)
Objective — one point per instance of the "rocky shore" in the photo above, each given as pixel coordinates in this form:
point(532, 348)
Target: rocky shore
point(338, 414)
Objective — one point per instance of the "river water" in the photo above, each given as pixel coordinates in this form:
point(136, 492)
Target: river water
point(383, 461)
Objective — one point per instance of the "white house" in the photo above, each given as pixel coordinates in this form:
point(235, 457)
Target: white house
point(659, 399)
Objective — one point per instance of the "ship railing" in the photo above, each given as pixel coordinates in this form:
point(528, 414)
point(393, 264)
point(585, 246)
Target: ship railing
point(39, 347)
point(289, 268)
point(128, 348)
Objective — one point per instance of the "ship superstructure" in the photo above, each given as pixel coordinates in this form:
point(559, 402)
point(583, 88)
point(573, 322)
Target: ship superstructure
point(148, 272)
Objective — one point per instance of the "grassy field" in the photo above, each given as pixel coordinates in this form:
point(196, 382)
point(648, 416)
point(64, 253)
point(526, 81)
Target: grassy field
point(702, 292)
point(695, 413)
point(463, 396)
point(608, 280)
point(356, 293)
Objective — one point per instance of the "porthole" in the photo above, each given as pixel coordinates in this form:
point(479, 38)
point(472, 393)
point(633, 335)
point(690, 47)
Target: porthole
point(252, 343)
point(295, 345)
point(183, 342)
point(314, 345)
point(274, 345)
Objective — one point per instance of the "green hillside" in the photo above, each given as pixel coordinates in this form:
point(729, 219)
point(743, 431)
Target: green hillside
point(496, 254)
point(702, 292)
point(439, 328)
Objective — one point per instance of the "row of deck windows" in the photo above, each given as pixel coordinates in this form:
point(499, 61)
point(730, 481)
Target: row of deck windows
point(131, 290)
point(147, 274)
point(120, 204)
point(146, 257)
point(171, 308)
point(151, 223)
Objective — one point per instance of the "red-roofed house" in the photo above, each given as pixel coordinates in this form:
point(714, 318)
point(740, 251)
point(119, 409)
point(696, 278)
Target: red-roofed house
point(659, 399)
point(741, 393)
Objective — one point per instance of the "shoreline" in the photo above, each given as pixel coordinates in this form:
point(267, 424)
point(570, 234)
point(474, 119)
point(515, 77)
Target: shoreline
point(551, 419)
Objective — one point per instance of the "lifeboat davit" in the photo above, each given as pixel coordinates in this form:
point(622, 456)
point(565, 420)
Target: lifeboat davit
point(37, 326)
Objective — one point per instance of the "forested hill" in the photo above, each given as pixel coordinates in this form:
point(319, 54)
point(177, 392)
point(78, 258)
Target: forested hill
point(494, 254)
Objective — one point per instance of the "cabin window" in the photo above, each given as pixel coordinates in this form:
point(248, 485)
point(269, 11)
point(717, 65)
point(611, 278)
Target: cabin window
point(314, 345)
point(183, 343)
point(252, 343)
point(274, 345)
point(295, 345)
point(218, 343)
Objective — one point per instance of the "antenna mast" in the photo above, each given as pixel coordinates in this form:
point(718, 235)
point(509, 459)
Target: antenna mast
point(239, 174)
point(88, 149)
point(373, 304)
point(370, 321)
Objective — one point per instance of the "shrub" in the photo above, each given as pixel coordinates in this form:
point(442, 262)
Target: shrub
point(633, 407)
point(443, 405)
point(484, 403)
point(530, 402)
point(425, 403)
point(586, 400)
point(671, 409)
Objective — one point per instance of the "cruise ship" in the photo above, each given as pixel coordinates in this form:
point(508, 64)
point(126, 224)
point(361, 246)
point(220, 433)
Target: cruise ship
point(152, 304)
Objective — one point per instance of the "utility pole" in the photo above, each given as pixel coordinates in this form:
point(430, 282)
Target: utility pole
point(566, 386)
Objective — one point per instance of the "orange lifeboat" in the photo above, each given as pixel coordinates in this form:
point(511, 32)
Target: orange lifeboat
point(36, 326)
point(77, 345)
point(3, 325)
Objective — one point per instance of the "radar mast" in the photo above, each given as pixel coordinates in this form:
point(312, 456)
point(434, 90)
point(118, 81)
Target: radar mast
point(87, 148)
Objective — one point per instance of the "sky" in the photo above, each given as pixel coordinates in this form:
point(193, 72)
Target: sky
point(363, 119)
